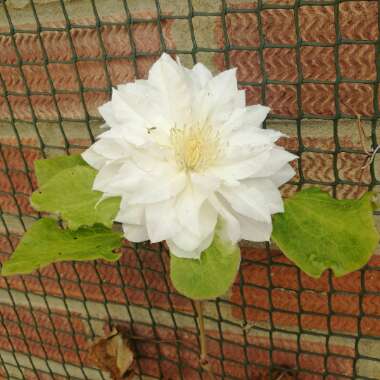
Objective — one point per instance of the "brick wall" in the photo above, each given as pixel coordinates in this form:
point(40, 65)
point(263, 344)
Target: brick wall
point(313, 63)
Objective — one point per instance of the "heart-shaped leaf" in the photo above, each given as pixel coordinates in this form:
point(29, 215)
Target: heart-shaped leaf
point(46, 169)
point(45, 243)
point(318, 232)
point(69, 194)
point(208, 277)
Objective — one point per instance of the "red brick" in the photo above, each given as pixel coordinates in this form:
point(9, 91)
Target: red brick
point(150, 367)
point(86, 43)
point(314, 322)
point(112, 33)
point(63, 76)
point(282, 319)
point(372, 280)
point(12, 78)
point(39, 375)
point(312, 362)
point(242, 29)
point(317, 24)
point(234, 370)
point(233, 351)
point(92, 74)
point(20, 182)
point(279, 26)
point(146, 37)
point(284, 277)
point(356, 99)
point(170, 368)
point(91, 286)
point(348, 349)
point(321, 284)
point(255, 274)
point(93, 100)
point(318, 63)
point(280, 64)
point(8, 204)
point(284, 358)
point(258, 355)
point(5, 246)
point(357, 62)
point(143, 66)
point(344, 325)
point(281, 342)
point(5, 184)
point(120, 71)
point(353, 15)
point(370, 326)
point(371, 304)
point(252, 315)
point(339, 365)
point(9, 55)
point(348, 283)
point(248, 65)
point(44, 107)
point(285, 300)
point(252, 94)
point(255, 297)
point(374, 261)
point(282, 99)
point(313, 346)
point(57, 45)
point(318, 99)
point(32, 333)
point(316, 302)
point(36, 78)
point(29, 47)
point(13, 157)
point(345, 304)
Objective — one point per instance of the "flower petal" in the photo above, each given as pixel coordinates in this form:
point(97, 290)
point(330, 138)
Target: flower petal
point(255, 115)
point(271, 196)
point(161, 220)
point(94, 159)
point(153, 191)
point(254, 137)
point(278, 158)
point(188, 207)
point(169, 78)
point(118, 178)
point(285, 174)
point(247, 201)
point(230, 228)
point(105, 179)
point(193, 254)
point(201, 75)
point(254, 230)
point(240, 169)
point(135, 233)
point(130, 214)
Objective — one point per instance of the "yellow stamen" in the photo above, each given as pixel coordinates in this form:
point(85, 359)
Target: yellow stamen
point(195, 147)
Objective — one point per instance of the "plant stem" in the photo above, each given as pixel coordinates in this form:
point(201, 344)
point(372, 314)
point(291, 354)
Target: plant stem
point(205, 365)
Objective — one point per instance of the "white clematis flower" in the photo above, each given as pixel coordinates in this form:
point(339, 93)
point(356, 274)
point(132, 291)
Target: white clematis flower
point(185, 152)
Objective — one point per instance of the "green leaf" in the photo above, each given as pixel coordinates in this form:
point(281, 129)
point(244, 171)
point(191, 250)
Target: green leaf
point(45, 243)
point(318, 232)
point(70, 195)
point(48, 168)
point(209, 277)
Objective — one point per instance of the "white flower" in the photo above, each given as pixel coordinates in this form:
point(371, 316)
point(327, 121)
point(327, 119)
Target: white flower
point(185, 152)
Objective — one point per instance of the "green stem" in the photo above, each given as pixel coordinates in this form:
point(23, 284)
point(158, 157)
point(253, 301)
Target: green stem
point(204, 363)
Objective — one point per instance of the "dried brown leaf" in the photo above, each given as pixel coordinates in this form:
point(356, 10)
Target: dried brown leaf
point(113, 353)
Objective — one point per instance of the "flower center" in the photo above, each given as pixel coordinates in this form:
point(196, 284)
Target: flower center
point(196, 147)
